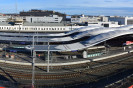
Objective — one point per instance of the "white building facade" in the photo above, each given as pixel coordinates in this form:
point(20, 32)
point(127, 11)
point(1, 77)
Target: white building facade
point(44, 19)
point(122, 20)
point(83, 19)
point(4, 18)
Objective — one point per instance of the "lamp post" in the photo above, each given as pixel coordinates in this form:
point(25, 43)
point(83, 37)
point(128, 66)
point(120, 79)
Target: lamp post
point(33, 64)
point(48, 57)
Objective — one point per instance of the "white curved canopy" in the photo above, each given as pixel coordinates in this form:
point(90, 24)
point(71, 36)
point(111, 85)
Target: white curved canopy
point(84, 44)
point(89, 32)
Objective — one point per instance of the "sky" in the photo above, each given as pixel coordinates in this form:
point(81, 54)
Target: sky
point(71, 7)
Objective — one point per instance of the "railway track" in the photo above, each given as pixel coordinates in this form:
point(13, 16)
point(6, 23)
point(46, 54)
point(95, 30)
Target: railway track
point(88, 72)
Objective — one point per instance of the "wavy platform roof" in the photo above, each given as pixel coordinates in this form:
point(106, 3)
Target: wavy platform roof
point(96, 35)
point(93, 40)
point(85, 31)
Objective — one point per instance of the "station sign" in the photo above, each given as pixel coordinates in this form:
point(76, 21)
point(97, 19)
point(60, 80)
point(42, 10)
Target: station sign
point(131, 86)
point(129, 42)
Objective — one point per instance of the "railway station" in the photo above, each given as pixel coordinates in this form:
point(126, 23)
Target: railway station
point(82, 56)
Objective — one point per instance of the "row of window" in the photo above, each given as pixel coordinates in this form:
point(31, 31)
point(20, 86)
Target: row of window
point(19, 28)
